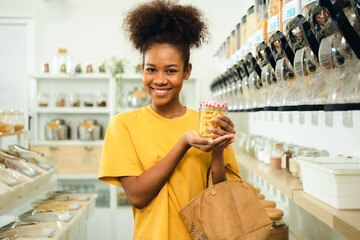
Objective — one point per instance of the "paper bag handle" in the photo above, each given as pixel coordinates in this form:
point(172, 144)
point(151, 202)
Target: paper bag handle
point(209, 175)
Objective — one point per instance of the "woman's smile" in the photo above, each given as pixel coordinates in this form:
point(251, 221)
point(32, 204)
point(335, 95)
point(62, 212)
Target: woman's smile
point(161, 91)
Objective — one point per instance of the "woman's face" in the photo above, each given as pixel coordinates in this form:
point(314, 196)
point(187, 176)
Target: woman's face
point(163, 74)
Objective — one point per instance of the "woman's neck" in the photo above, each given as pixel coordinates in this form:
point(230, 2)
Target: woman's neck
point(170, 110)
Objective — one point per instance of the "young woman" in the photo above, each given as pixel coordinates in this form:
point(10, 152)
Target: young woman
point(155, 153)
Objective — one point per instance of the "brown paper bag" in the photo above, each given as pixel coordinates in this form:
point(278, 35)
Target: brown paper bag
point(228, 210)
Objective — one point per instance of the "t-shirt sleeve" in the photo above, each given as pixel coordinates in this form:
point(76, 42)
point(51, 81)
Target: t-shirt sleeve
point(119, 156)
point(230, 161)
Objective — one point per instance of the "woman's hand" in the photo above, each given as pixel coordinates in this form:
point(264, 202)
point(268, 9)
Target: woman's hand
point(226, 126)
point(193, 139)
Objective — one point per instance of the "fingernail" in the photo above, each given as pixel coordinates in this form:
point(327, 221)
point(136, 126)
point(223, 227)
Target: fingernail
point(211, 129)
point(210, 141)
point(215, 119)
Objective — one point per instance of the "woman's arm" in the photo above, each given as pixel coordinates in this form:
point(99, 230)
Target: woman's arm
point(140, 190)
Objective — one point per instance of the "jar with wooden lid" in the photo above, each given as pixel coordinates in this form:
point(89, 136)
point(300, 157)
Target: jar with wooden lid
point(279, 229)
point(276, 153)
point(268, 203)
point(208, 110)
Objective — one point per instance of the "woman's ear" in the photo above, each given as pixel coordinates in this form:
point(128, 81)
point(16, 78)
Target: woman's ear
point(187, 71)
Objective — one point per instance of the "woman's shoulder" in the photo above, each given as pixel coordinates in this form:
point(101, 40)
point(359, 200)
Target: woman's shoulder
point(129, 115)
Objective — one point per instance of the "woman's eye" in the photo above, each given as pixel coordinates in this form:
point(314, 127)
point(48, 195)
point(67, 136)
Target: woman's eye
point(150, 69)
point(171, 71)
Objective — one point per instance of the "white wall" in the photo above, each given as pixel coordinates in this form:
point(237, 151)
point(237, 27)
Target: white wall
point(91, 31)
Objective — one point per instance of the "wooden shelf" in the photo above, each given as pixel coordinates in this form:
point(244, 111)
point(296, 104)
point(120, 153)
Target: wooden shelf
point(346, 222)
point(12, 134)
point(276, 177)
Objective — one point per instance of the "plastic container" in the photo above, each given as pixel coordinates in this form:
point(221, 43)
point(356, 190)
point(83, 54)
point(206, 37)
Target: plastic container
point(209, 110)
point(250, 30)
point(275, 17)
point(261, 16)
point(336, 184)
point(243, 36)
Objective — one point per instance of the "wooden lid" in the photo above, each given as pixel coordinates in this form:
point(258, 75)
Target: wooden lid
point(274, 214)
point(268, 203)
point(260, 196)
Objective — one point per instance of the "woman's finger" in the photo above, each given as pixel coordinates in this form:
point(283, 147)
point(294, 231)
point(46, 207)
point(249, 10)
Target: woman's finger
point(224, 125)
point(226, 119)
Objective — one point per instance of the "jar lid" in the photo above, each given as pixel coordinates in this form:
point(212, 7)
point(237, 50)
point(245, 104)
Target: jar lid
point(213, 103)
point(274, 214)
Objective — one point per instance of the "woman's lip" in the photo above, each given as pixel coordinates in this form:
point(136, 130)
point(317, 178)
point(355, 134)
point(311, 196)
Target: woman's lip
point(161, 92)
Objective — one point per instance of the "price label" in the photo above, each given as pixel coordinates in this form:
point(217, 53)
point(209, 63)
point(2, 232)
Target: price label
point(259, 36)
point(74, 206)
point(289, 11)
point(29, 172)
point(273, 23)
point(10, 181)
point(48, 232)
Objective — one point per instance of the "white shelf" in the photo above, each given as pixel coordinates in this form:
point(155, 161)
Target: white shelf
point(76, 176)
point(65, 76)
point(67, 143)
point(72, 110)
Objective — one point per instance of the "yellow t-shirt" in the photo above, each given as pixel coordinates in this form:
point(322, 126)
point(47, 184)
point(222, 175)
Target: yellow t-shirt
point(137, 140)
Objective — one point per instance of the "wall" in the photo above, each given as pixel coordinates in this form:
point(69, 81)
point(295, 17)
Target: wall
point(91, 31)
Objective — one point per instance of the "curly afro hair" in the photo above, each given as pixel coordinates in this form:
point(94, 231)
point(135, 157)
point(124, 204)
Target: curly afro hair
point(165, 21)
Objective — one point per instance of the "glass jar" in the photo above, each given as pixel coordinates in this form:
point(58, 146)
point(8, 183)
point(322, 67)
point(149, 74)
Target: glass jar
point(101, 99)
point(209, 110)
point(43, 99)
point(89, 68)
point(261, 17)
point(74, 99)
point(61, 62)
point(285, 158)
point(276, 153)
point(267, 151)
point(279, 229)
point(250, 31)
point(274, 17)
point(19, 120)
point(60, 99)
point(89, 99)
point(9, 121)
point(2, 121)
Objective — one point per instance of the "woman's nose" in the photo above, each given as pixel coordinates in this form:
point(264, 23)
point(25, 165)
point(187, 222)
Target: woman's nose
point(160, 79)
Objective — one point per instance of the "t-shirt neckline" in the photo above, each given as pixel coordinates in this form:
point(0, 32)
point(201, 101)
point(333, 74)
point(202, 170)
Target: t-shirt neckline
point(152, 111)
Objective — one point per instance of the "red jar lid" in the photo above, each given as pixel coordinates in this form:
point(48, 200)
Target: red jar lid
point(213, 103)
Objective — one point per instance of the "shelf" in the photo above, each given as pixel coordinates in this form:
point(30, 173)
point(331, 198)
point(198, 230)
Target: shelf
point(11, 134)
point(72, 110)
point(283, 181)
point(67, 143)
point(346, 222)
point(76, 176)
point(64, 76)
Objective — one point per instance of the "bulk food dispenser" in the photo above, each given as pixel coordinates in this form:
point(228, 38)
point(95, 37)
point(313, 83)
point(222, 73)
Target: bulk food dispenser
point(267, 64)
point(229, 97)
point(284, 71)
point(261, 17)
point(309, 90)
point(236, 88)
point(339, 56)
point(245, 90)
point(255, 84)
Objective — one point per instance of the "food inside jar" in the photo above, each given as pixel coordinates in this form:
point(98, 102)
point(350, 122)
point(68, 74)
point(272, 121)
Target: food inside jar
point(8, 128)
point(206, 120)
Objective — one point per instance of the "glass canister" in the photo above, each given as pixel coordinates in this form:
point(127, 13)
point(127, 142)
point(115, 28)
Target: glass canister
point(2, 121)
point(101, 99)
point(274, 17)
point(74, 99)
point(276, 154)
point(61, 62)
point(279, 229)
point(89, 99)
point(43, 99)
point(243, 36)
point(19, 120)
point(60, 99)
point(9, 121)
point(208, 110)
point(261, 16)
point(250, 30)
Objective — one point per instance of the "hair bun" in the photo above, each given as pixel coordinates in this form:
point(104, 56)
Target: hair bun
point(164, 21)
